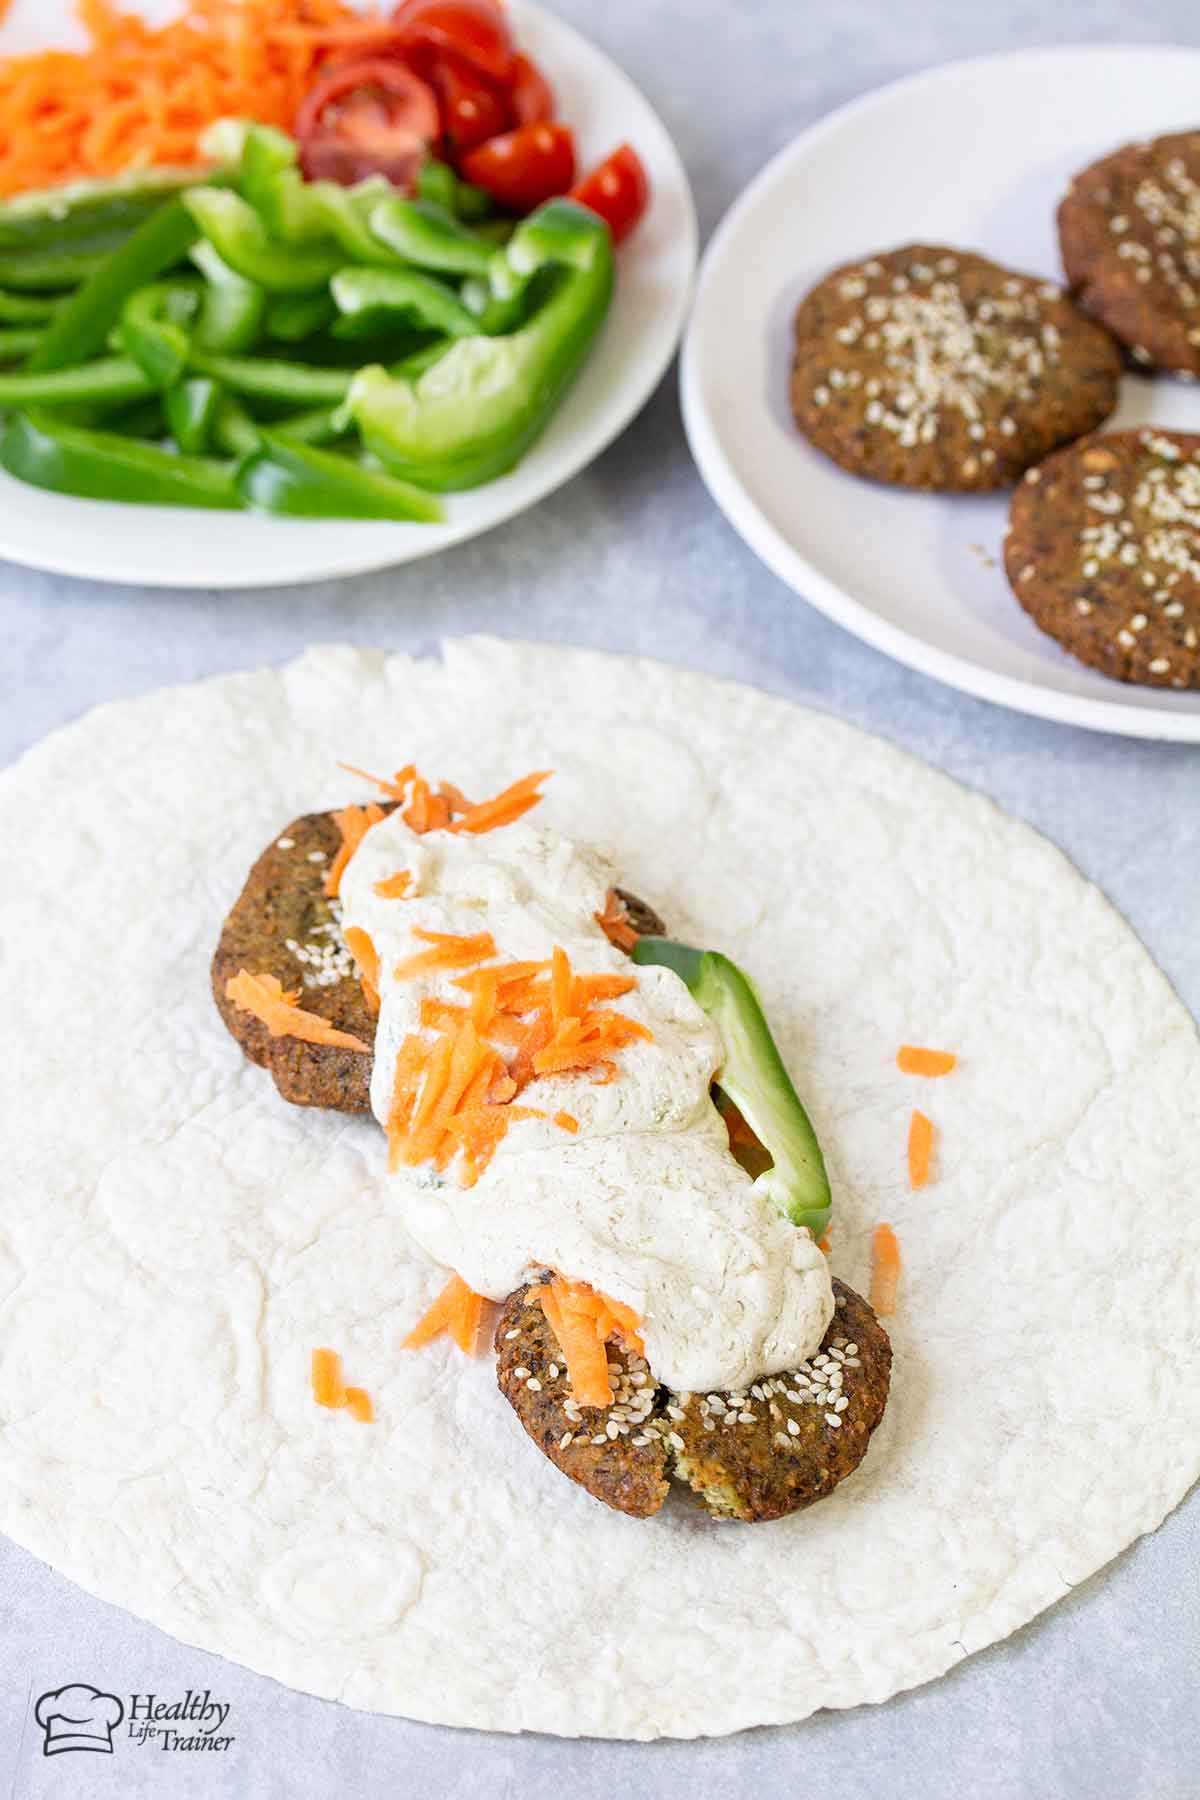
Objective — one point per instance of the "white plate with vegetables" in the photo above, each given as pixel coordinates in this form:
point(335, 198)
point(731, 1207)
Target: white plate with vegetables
point(420, 297)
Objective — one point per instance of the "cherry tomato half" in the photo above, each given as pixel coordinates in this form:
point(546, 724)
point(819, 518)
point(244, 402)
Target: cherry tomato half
point(476, 30)
point(472, 108)
point(531, 96)
point(370, 117)
point(617, 189)
point(524, 167)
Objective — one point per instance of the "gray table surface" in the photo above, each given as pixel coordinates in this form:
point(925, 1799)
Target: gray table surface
point(1098, 1697)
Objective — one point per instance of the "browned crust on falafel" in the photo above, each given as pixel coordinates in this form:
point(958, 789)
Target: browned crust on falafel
point(1103, 553)
point(935, 368)
point(736, 1453)
point(1129, 231)
point(620, 1470)
point(776, 1449)
point(282, 924)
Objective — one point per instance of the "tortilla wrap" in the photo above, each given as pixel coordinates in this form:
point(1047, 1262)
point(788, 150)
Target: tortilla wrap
point(176, 1239)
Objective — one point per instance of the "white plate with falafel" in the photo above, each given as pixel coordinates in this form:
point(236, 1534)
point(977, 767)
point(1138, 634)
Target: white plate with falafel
point(911, 357)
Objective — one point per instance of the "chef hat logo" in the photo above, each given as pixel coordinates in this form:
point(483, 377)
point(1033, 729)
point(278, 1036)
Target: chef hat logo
point(78, 1717)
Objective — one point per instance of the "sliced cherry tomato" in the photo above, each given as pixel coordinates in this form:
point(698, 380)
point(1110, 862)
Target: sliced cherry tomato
point(476, 30)
point(617, 189)
point(531, 96)
point(524, 167)
point(370, 117)
point(472, 108)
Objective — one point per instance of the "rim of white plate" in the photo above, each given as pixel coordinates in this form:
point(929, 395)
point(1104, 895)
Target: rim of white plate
point(804, 577)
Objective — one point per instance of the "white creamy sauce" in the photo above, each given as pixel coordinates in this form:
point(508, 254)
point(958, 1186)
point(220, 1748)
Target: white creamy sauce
point(646, 1202)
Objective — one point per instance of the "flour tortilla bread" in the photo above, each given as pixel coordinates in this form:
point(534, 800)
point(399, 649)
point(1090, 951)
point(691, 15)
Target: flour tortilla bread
point(176, 1239)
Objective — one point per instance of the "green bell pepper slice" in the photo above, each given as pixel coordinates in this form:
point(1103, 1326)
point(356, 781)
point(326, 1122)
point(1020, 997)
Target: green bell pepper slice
point(428, 236)
point(25, 309)
point(475, 412)
point(378, 300)
point(154, 329)
point(440, 186)
point(48, 271)
point(297, 317)
point(307, 213)
point(237, 434)
point(102, 465)
point(755, 1079)
point(232, 310)
point(191, 411)
point(234, 431)
point(18, 343)
point(81, 212)
point(111, 380)
point(238, 235)
point(262, 378)
point(82, 327)
point(284, 477)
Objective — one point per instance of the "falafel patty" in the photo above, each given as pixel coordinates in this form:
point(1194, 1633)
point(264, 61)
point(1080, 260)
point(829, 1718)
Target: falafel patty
point(1103, 553)
point(935, 368)
point(283, 924)
point(783, 1444)
point(1129, 230)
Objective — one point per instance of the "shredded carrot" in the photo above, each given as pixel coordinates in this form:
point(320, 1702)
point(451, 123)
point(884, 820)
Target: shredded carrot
point(396, 886)
point(359, 1403)
point(456, 1310)
point(912, 1060)
point(353, 822)
point(138, 96)
point(566, 1121)
point(824, 1244)
point(920, 1149)
point(584, 1321)
point(885, 1270)
point(393, 788)
point(449, 952)
point(282, 1014)
point(506, 807)
point(614, 922)
point(327, 1386)
point(367, 959)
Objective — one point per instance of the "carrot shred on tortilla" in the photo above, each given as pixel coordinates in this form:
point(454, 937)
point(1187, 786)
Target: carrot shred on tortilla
point(920, 1149)
point(353, 822)
point(395, 887)
point(566, 1121)
point(327, 1385)
point(358, 1402)
point(911, 1059)
point(394, 786)
point(281, 1012)
point(824, 1244)
point(456, 1310)
point(885, 1270)
point(138, 95)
